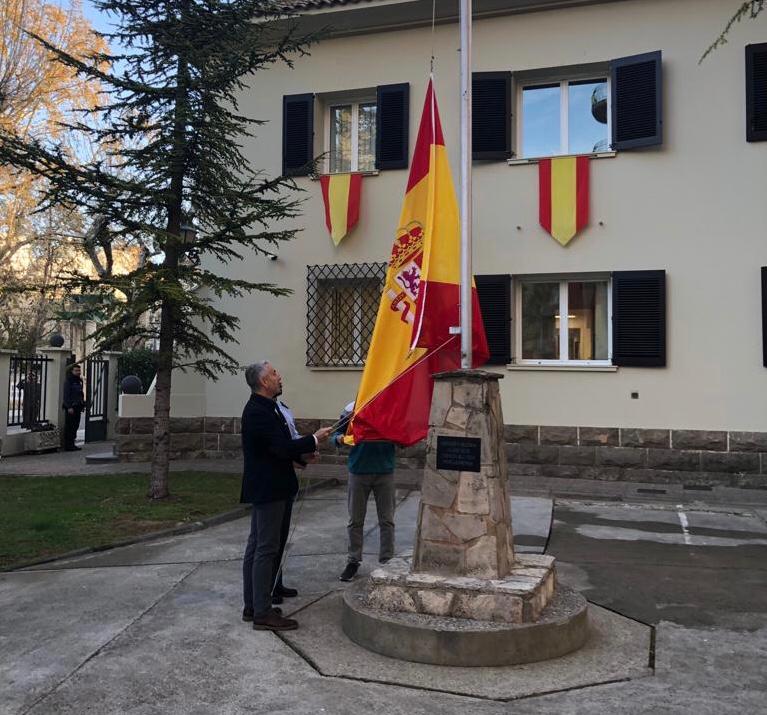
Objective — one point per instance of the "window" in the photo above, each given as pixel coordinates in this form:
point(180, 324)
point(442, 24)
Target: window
point(360, 130)
point(563, 321)
point(569, 116)
point(342, 303)
point(352, 137)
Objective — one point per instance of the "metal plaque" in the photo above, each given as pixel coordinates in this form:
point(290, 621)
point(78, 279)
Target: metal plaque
point(460, 454)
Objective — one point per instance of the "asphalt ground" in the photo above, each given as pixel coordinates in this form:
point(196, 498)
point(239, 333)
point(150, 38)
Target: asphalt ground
point(155, 627)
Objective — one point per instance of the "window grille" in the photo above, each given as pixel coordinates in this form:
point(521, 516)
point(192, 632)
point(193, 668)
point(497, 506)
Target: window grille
point(341, 306)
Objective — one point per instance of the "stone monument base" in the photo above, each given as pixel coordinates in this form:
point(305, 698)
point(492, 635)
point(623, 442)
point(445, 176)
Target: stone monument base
point(561, 628)
point(520, 597)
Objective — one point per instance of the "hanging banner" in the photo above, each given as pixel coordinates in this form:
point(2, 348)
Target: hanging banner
point(564, 196)
point(341, 194)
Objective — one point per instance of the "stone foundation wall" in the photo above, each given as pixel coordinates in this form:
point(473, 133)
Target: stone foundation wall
point(668, 456)
point(695, 457)
point(219, 438)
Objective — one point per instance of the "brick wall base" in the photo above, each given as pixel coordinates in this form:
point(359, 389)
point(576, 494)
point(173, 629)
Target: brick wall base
point(668, 456)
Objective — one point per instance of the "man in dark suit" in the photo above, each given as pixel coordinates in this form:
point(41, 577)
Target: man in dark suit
point(269, 483)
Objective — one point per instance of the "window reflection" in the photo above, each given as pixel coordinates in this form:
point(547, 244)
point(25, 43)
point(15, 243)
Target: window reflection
point(540, 110)
point(580, 104)
point(540, 309)
point(587, 116)
point(366, 152)
point(341, 139)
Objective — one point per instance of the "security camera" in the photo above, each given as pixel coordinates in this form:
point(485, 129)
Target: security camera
point(272, 256)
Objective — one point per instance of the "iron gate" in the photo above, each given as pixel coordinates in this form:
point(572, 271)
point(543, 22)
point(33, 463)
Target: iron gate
point(96, 387)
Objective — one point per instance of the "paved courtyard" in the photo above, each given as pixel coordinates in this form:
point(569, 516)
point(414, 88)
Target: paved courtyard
point(155, 627)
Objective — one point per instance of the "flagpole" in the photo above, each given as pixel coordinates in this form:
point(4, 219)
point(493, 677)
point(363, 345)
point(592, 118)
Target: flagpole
point(466, 273)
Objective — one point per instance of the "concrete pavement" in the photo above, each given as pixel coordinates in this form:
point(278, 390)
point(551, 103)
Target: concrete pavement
point(155, 627)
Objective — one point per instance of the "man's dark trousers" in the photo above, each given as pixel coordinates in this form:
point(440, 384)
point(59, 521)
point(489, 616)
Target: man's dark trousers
point(262, 554)
point(71, 425)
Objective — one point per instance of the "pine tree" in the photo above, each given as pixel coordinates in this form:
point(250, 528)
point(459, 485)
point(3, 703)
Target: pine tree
point(171, 132)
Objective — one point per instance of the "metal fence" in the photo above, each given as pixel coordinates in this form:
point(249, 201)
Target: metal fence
point(27, 389)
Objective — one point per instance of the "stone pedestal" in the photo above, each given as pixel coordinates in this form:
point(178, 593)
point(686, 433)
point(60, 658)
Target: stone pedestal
point(467, 599)
point(463, 562)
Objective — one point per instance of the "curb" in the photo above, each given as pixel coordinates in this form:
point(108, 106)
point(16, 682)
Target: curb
point(214, 520)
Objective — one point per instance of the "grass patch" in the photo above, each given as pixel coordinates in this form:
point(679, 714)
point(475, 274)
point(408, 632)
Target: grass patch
point(44, 516)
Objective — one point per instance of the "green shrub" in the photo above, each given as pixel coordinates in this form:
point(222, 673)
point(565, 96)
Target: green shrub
point(141, 362)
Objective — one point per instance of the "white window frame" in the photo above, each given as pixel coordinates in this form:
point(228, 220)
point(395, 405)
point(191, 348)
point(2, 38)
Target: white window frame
point(564, 109)
point(344, 101)
point(564, 343)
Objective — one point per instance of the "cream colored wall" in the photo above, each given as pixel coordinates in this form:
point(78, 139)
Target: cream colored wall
point(694, 207)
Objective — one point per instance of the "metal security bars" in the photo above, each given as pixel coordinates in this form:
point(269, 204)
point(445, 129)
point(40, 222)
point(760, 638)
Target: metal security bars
point(341, 306)
point(27, 389)
point(96, 386)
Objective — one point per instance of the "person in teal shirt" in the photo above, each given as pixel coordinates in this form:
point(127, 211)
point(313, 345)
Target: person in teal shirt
point(371, 469)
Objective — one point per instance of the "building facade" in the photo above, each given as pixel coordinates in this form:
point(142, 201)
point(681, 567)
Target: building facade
point(662, 345)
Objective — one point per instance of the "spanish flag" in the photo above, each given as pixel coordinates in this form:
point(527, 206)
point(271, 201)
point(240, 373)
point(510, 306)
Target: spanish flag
point(420, 302)
point(564, 196)
point(341, 194)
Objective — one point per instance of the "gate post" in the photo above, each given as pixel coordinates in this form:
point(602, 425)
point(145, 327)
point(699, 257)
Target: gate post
point(5, 368)
point(112, 387)
point(54, 388)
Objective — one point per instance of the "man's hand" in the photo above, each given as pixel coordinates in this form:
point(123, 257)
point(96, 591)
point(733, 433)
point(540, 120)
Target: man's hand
point(322, 434)
point(71, 410)
point(311, 458)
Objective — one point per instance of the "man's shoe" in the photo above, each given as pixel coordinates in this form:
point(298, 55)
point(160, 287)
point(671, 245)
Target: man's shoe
point(285, 592)
point(272, 621)
point(247, 614)
point(349, 572)
point(276, 598)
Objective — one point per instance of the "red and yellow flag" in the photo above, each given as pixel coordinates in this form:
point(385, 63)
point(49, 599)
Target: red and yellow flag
point(564, 196)
point(341, 194)
point(420, 302)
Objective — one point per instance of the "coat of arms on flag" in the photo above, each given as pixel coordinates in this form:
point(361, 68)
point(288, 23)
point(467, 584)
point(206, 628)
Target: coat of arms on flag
point(341, 195)
point(564, 196)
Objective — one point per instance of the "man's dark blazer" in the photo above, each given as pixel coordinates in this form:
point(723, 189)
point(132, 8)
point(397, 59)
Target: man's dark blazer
point(269, 452)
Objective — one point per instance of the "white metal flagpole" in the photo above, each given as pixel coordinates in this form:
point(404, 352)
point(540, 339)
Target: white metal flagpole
point(466, 271)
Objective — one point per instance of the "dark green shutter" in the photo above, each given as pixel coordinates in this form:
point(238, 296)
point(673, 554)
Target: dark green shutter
point(637, 101)
point(756, 92)
point(392, 126)
point(491, 115)
point(297, 134)
point(494, 293)
point(639, 318)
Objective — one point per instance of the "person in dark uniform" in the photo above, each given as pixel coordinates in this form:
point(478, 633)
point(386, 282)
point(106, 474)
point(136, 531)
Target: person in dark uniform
point(74, 404)
point(269, 483)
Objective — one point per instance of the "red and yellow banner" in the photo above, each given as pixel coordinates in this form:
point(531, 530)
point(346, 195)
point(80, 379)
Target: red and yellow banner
point(564, 196)
point(341, 194)
point(420, 302)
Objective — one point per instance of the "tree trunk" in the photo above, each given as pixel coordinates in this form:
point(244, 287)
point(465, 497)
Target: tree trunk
point(158, 486)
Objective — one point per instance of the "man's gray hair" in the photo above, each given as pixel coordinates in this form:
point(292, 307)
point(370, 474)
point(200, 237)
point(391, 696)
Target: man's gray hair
point(254, 372)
